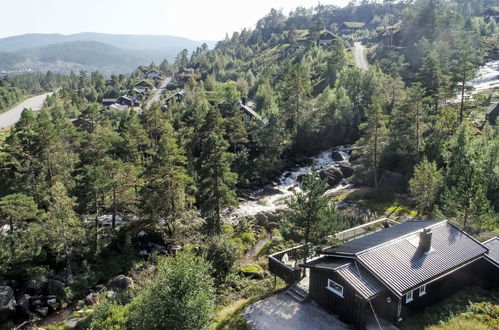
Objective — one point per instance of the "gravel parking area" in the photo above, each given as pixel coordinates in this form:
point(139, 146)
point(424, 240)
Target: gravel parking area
point(282, 312)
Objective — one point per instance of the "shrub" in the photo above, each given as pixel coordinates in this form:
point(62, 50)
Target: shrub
point(248, 238)
point(110, 317)
point(222, 254)
point(181, 296)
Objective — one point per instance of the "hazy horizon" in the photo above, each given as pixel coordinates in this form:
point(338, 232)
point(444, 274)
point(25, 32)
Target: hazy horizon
point(189, 19)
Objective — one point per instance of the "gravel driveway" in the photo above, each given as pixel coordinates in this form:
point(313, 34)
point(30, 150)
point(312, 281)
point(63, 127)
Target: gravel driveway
point(282, 312)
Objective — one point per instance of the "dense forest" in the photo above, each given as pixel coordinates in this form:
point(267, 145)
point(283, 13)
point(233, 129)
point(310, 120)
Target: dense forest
point(171, 176)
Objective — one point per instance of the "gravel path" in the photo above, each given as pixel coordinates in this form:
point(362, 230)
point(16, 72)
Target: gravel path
point(160, 91)
point(10, 117)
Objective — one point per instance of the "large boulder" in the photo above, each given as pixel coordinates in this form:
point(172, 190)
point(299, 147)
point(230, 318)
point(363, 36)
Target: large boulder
point(23, 304)
point(149, 242)
point(346, 169)
point(332, 175)
point(269, 191)
point(261, 219)
point(337, 156)
point(7, 304)
point(120, 282)
point(54, 287)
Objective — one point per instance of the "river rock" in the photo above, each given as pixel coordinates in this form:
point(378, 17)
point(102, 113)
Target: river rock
point(332, 175)
point(23, 304)
point(149, 242)
point(271, 226)
point(261, 219)
point(273, 217)
point(7, 304)
point(337, 156)
point(120, 282)
point(269, 191)
point(52, 304)
point(111, 295)
point(79, 305)
point(42, 311)
point(346, 169)
point(54, 287)
point(91, 299)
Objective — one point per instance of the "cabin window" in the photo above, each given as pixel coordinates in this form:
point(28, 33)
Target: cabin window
point(335, 287)
point(422, 290)
point(409, 297)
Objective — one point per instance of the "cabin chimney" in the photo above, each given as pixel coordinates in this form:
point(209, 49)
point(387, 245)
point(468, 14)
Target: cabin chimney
point(425, 240)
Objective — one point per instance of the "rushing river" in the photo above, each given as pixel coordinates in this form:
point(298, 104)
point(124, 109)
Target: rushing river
point(273, 198)
point(487, 77)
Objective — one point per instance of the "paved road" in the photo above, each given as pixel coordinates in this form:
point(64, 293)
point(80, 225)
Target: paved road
point(10, 117)
point(359, 56)
point(160, 91)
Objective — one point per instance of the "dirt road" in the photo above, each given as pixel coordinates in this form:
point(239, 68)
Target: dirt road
point(359, 56)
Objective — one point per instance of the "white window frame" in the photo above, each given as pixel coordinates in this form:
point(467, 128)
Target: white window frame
point(422, 290)
point(332, 289)
point(409, 296)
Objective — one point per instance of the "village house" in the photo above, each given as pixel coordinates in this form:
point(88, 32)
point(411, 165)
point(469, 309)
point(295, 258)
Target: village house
point(350, 27)
point(144, 84)
point(108, 101)
point(390, 35)
point(249, 114)
point(175, 97)
point(395, 272)
point(151, 74)
point(492, 14)
point(128, 100)
point(326, 38)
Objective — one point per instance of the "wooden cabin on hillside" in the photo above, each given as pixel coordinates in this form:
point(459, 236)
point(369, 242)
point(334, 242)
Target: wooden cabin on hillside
point(492, 14)
point(350, 27)
point(326, 38)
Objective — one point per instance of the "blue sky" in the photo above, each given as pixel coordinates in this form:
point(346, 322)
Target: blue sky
point(194, 19)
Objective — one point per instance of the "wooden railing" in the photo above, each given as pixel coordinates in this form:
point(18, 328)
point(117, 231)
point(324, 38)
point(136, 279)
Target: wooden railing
point(290, 272)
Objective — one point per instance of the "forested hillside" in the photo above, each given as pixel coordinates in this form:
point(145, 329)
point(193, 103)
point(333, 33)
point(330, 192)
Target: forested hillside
point(90, 192)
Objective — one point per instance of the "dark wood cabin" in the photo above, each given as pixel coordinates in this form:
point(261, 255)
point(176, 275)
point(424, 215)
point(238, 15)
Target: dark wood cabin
point(395, 272)
point(128, 100)
point(151, 74)
point(492, 14)
point(492, 114)
point(144, 84)
point(326, 38)
point(390, 36)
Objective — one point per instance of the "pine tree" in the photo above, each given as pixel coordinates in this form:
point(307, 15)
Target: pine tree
point(167, 192)
point(425, 186)
point(215, 180)
point(65, 230)
point(311, 219)
point(20, 229)
point(372, 142)
point(464, 197)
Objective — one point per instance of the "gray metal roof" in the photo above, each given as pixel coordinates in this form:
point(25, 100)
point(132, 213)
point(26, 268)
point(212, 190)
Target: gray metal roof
point(380, 237)
point(493, 246)
point(360, 280)
point(327, 263)
point(401, 266)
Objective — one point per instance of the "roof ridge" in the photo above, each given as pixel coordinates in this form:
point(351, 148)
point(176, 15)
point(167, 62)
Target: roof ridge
point(401, 237)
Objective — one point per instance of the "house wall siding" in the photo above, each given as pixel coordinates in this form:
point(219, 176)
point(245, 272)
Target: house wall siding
point(349, 309)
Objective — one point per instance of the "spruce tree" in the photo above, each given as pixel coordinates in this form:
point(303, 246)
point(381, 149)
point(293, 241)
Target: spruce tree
point(215, 181)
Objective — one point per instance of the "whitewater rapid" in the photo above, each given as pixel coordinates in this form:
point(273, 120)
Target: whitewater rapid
point(287, 184)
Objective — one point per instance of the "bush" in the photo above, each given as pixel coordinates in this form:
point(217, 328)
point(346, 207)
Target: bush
point(248, 238)
point(110, 317)
point(222, 254)
point(181, 296)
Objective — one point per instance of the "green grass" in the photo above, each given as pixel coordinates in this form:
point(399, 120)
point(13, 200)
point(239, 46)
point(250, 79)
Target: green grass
point(471, 308)
point(381, 204)
point(256, 269)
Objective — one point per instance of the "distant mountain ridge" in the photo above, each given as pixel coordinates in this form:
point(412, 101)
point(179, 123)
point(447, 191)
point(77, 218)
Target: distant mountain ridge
point(107, 53)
